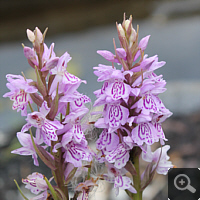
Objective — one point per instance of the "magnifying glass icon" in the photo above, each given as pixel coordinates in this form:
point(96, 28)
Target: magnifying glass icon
point(182, 182)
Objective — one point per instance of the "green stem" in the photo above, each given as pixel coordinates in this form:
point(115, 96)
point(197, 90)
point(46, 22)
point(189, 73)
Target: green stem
point(59, 173)
point(30, 106)
point(137, 179)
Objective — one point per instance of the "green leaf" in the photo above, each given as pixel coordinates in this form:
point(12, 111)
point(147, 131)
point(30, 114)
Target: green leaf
point(130, 167)
point(70, 176)
point(41, 87)
point(61, 194)
point(129, 194)
point(44, 155)
point(20, 190)
point(149, 174)
point(36, 99)
point(53, 192)
point(54, 106)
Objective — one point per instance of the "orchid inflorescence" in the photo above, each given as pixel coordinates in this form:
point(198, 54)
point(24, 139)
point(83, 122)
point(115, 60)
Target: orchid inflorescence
point(130, 121)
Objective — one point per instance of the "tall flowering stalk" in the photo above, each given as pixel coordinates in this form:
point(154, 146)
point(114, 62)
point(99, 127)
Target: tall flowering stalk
point(132, 113)
point(59, 139)
point(130, 121)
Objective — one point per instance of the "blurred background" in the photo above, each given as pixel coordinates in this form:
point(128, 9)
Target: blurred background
point(82, 27)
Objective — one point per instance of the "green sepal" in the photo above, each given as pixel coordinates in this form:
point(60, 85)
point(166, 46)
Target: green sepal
point(41, 87)
point(149, 174)
point(54, 106)
point(44, 156)
point(131, 168)
point(53, 192)
point(36, 99)
point(60, 193)
point(50, 81)
point(20, 190)
point(70, 176)
point(129, 193)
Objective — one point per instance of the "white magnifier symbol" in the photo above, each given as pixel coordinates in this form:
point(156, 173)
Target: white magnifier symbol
point(180, 179)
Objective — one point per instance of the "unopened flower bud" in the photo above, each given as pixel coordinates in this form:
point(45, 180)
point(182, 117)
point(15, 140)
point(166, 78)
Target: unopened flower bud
point(36, 38)
point(131, 33)
point(30, 35)
point(132, 37)
point(121, 30)
point(127, 23)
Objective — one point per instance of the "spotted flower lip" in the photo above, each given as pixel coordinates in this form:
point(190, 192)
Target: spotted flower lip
point(115, 116)
point(37, 185)
point(124, 183)
point(45, 128)
point(35, 182)
point(119, 156)
point(146, 133)
point(117, 176)
point(20, 91)
point(106, 140)
point(76, 153)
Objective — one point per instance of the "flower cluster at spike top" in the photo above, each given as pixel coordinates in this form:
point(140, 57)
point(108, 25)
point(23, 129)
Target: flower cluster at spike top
point(130, 121)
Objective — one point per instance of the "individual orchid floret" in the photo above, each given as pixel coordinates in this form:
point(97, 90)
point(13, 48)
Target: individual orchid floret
point(145, 133)
point(49, 59)
point(77, 133)
point(119, 156)
point(117, 90)
point(46, 129)
point(105, 72)
point(84, 188)
point(20, 90)
point(107, 141)
point(142, 46)
point(77, 103)
point(115, 115)
point(113, 91)
point(27, 146)
point(117, 176)
point(124, 183)
point(121, 53)
point(62, 76)
point(36, 184)
point(74, 152)
point(144, 65)
point(159, 157)
point(31, 56)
